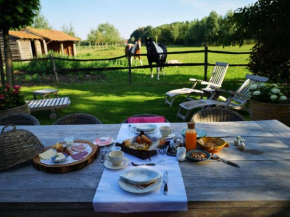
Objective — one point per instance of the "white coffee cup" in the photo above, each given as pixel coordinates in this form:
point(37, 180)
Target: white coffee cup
point(165, 130)
point(115, 157)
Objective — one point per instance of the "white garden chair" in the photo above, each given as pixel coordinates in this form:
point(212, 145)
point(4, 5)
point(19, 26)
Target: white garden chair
point(236, 100)
point(215, 81)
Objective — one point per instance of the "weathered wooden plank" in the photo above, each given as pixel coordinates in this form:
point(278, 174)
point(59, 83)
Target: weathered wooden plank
point(278, 129)
point(26, 49)
point(200, 212)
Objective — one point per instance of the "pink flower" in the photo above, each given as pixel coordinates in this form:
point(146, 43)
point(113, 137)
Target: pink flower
point(16, 87)
point(2, 97)
point(15, 91)
point(7, 85)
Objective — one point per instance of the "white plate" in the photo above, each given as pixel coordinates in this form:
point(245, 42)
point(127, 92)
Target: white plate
point(146, 127)
point(130, 187)
point(123, 165)
point(170, 136)
point(103, 141)
point(140, 176)
point(148, 132)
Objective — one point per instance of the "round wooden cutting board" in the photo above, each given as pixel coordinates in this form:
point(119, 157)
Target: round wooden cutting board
point(37, 164)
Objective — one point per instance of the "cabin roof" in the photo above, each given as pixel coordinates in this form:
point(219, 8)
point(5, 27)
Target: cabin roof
point(53, 35)
point(23, 35)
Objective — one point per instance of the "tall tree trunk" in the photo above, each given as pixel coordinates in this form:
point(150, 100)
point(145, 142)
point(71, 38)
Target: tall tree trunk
point(8, 58)
point(1, 68)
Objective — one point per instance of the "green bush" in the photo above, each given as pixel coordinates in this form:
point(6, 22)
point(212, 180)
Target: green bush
point(27, 78)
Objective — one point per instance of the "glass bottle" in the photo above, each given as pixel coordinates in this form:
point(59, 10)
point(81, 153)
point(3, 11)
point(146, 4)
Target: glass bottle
point(190, 137)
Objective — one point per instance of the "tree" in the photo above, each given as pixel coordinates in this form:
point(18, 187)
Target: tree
point(196, 32)
point(142, 33)
point(68, 29)
point(155, 33)
point(226, 30)
point(132, 39)
point(105, 33)
point(266, 21)
point(110, 33)
point(99, 38)
point(40, 22)
point(174, 31)
point(15, 14)
point(212, 27)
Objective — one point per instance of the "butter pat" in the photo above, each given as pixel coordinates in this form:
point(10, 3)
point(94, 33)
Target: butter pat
point(47, 154)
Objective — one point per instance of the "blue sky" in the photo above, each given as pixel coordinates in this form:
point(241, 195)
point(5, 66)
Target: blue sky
point(128, 15)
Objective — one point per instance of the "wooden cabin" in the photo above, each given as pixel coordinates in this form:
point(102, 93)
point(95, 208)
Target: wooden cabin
point(31, 42)
point(56, 41)
point(23, 45)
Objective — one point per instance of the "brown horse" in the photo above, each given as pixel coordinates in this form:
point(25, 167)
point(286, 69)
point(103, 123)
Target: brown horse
point(135, 50)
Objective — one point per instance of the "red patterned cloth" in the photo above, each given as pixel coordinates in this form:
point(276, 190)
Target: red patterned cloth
point(156, 119)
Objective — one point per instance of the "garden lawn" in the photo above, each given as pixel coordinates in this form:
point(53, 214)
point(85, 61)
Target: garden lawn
point(112, 99)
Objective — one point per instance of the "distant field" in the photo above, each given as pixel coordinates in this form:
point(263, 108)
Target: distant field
point(112, 99)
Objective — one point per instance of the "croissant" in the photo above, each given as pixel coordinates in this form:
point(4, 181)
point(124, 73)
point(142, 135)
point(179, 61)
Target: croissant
point(139, 140)
point(146, 140)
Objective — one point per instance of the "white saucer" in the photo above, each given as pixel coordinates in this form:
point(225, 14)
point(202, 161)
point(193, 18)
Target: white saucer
point(123, 165)
point(130, 187)
point(170, 136)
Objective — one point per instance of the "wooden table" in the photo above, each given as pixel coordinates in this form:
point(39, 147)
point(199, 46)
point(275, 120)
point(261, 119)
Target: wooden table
point(45, 92)
point(260, 187)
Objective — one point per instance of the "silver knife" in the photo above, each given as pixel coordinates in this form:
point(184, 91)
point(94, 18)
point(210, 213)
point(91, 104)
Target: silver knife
point(230, 163)
point(165, 180)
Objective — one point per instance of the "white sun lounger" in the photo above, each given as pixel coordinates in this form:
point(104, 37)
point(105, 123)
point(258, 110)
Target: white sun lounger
point(49, 104)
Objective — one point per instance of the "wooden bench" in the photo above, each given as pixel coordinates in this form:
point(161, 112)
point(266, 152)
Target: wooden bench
point(49, 104)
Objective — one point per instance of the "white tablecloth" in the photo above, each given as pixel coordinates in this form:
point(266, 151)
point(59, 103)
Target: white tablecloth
point(110, 197)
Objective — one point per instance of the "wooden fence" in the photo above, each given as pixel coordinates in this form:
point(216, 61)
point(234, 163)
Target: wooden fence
point(206, 51)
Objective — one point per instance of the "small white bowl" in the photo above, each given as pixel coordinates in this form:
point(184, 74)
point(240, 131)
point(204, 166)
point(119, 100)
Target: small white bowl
point(140, 176)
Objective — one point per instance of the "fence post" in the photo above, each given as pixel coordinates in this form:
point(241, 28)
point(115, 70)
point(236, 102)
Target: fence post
point(54, 68)
point(205, 62)
point(129, 63)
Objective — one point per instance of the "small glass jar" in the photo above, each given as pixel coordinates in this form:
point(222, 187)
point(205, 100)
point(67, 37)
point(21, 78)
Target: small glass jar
point(69, 141)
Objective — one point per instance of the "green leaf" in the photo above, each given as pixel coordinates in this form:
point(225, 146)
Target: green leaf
point(19, 8)
point(7, 17)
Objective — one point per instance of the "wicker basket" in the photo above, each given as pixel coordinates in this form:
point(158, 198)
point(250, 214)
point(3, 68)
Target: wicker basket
point(24, 109)
point(270, 111)
point(17, 146)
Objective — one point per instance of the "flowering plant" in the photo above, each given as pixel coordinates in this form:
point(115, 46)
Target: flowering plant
point(10, 97)
point(269, 93)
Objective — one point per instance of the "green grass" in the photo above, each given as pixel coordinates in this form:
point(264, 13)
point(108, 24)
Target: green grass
point(112, 99)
